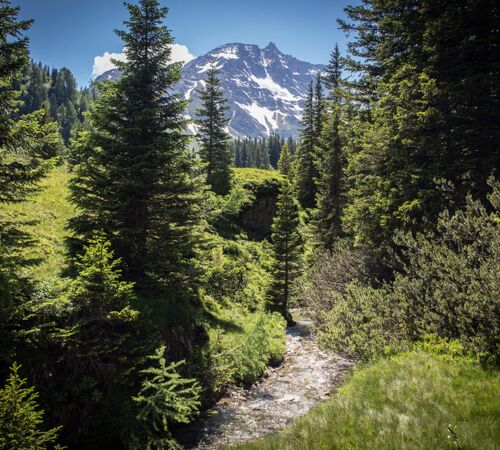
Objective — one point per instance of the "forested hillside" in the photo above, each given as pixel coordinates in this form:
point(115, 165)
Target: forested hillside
point(147, 274)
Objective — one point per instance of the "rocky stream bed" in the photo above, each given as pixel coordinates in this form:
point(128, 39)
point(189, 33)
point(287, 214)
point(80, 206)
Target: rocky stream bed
point(306, 377)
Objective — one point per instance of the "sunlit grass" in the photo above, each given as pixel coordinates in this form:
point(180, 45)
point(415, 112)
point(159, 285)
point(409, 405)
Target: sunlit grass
point(411, 401)
point(49, 210)
point(257, 176)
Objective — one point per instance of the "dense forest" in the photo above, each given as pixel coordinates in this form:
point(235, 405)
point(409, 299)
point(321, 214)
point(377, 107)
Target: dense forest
point(145, 272)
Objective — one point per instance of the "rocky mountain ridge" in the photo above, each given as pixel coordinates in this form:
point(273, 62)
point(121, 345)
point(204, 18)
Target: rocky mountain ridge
point(265, 88)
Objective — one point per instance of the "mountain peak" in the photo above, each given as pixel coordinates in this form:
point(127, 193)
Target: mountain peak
point(265, 88)
point(271, 46)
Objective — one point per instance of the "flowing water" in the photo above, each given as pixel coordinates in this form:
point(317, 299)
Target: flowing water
point(307, 376)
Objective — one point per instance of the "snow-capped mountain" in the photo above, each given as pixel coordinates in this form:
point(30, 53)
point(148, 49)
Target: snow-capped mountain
point(265, 88)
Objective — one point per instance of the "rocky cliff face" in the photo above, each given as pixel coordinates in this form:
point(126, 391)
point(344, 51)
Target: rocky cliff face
point(265, 88)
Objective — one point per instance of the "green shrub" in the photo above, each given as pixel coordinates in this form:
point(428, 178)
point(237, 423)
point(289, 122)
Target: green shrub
point(241, 347)
point(364, 321)
point(449, 287)
point(236, 273)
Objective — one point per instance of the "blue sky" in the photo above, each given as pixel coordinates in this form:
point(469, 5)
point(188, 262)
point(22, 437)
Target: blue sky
point(72, 33)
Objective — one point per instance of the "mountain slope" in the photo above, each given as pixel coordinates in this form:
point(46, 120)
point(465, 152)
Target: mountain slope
point(265, 88)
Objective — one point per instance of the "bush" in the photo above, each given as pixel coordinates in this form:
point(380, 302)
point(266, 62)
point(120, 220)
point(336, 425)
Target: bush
point(241, 347)
point(237, 273)
point(449, 286)
point(364, 321)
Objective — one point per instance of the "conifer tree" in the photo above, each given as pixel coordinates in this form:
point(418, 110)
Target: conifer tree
point(104, 339)
point(306, 172)
point(333, 71)
point(134, 180)
point(285, 161)
point(425, 78)
point(21, 419)
point(331, 195)
point(319, 107)
point(215, 150)
point(238, 156)
point(287, 244)
point(292, 145)
point(165, 398)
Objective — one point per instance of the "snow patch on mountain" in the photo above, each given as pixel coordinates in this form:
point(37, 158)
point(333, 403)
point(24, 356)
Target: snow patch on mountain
point(278, 91)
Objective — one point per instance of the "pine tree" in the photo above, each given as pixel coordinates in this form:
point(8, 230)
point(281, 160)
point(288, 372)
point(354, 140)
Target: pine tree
point(165, 398)
point(274, 148)
point(238, 156)
point(101, 342)
point(285, 161)
point(292, 145)
point(134, 180)
point(21, 419)
point(319, 107)
point(332, 184)
point(425, 77)
point(333, 71)
point(215, 150)
point(306, 173)
point(266, 163)
point(287, 244)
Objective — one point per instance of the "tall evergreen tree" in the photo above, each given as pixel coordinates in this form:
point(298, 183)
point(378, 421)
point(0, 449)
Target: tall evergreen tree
point(287, 244)
point(430, 75)
point(332, 184)
point(319, 107)
point(285, 161)
point(333, 71)
point(134, 177)
point(214, 139)
point(103, 338)
point(292, 145)
point(306, 172)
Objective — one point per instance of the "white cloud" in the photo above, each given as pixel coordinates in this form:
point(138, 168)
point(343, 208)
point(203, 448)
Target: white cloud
point(103, 63)
point(180, 53)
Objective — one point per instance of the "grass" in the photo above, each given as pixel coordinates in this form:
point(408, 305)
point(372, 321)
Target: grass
point(415, 400)
point(49, 209)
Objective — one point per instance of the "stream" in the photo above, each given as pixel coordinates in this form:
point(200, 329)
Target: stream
point(306, 377)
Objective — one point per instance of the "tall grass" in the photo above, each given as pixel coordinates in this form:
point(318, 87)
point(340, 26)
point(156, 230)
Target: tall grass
point(416, 400)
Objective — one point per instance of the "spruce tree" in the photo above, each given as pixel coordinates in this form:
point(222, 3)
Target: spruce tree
point(332, 184)
point(285, 161)
point(333, 71)
point(215, 150)
point(134, 179)
point(306, 172)
point(21, 420)
point(286, 242)
point(165, 398)
point(319, 107)
point(426, 78)
point(105, 339)
point(292, 145)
